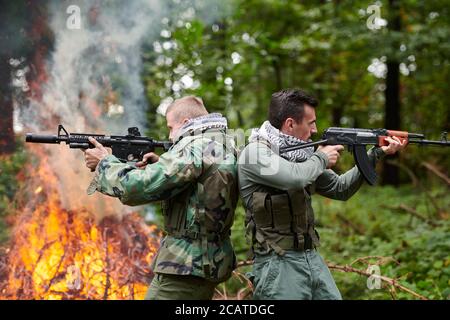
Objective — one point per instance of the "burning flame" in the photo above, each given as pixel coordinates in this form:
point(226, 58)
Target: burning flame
point(57, 253)
point(65, 245)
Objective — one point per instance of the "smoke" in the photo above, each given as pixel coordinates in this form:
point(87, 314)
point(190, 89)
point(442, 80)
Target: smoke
point(93, 85)
point(95, 69)
point(94, 77)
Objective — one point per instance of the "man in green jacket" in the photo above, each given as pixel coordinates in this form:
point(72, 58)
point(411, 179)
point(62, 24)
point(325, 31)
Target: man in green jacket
point(277, 188)
point(197, 181)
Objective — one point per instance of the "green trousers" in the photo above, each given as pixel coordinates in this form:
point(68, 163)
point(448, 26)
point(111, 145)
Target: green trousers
point(175, 287)
point(298, 275)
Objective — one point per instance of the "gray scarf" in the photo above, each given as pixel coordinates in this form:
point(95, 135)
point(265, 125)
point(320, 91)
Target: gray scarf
point(279, 140)
point(200, 124)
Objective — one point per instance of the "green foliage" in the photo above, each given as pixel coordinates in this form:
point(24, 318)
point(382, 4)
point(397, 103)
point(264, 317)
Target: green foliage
point(9, 169)
point(366, 225)
point(238, 60)
point(415, 252)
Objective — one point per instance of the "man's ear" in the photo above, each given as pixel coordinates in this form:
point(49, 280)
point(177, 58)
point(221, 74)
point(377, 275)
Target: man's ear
point(185, 120)
point(289, 124)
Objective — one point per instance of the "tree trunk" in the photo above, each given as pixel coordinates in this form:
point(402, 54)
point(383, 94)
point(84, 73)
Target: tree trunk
point(7, 142)
point(392, 95)
point(336, 116)
point(277, 72)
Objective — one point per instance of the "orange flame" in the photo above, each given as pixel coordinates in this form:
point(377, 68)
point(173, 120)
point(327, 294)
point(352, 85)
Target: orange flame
point(57, 253)
point(65, 246)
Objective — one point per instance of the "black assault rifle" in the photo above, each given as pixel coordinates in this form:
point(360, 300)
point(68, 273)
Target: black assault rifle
point(130, 147)
point(357, 139)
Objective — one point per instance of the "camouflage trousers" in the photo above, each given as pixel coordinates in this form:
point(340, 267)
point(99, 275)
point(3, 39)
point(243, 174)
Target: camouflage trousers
point(298, 275)
point(176, 287)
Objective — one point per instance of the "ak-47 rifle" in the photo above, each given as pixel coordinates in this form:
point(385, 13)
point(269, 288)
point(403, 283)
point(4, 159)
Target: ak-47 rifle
point(131, 147)
point(357, 139)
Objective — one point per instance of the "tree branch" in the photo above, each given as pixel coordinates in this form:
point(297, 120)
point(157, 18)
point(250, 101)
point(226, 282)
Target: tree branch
point(394, 283)
point(435, 170)
point(411, 211)
point(357, 228)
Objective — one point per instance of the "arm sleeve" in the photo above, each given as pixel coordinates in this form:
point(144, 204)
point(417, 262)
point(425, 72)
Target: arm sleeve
point(344, 186)
point(173, 173)
point(263, 166)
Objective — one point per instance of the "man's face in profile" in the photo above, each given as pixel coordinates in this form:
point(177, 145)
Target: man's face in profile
point(303, 129)
point(174, 124)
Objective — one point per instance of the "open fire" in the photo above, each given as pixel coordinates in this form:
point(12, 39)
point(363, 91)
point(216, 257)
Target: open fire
point(65, 244)
point(57, 253)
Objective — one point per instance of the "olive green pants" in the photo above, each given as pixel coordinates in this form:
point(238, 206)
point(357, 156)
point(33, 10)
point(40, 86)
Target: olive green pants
point(175, 287)
point(298, 275)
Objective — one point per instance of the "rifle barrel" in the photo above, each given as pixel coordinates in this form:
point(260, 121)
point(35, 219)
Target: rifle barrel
point(416, 136)
point(430, 142)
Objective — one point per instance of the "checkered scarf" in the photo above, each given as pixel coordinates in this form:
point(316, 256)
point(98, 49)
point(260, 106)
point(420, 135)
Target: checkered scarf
point(200, 124)
point(279, 140)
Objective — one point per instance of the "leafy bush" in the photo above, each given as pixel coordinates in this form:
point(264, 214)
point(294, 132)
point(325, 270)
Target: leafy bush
point(10, 166)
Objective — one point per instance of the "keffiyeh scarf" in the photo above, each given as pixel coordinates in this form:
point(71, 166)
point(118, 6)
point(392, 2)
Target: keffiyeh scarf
point(280, 140)
point(200, 124)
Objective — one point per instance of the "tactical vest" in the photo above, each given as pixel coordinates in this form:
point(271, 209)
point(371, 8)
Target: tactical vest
point(282, 220)
point(207, 228)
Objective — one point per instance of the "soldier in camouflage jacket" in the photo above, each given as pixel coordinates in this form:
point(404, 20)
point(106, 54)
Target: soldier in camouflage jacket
point(196, 180)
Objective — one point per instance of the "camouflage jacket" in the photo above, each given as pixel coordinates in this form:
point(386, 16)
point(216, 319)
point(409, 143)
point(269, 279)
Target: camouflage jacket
point(197, 180)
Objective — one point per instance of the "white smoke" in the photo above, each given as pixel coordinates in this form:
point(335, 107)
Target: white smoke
point(100, 63)
point(94, 76)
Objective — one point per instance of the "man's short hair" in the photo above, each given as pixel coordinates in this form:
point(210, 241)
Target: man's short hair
point(289, 103)
point(187, 107)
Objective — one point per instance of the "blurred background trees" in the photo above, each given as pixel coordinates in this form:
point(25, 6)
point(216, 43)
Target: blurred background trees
point(390, 70)
point(387, 71)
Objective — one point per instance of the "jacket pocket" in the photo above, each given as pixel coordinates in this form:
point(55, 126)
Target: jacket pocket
point(281, 213)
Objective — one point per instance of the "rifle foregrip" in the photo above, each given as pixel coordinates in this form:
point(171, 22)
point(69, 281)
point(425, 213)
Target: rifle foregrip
point(80, 145)
point(382, 140)
point(403, 134)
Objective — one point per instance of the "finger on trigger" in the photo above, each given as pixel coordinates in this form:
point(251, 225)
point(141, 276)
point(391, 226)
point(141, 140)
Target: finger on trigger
point(94, 142)
point(148, 156)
